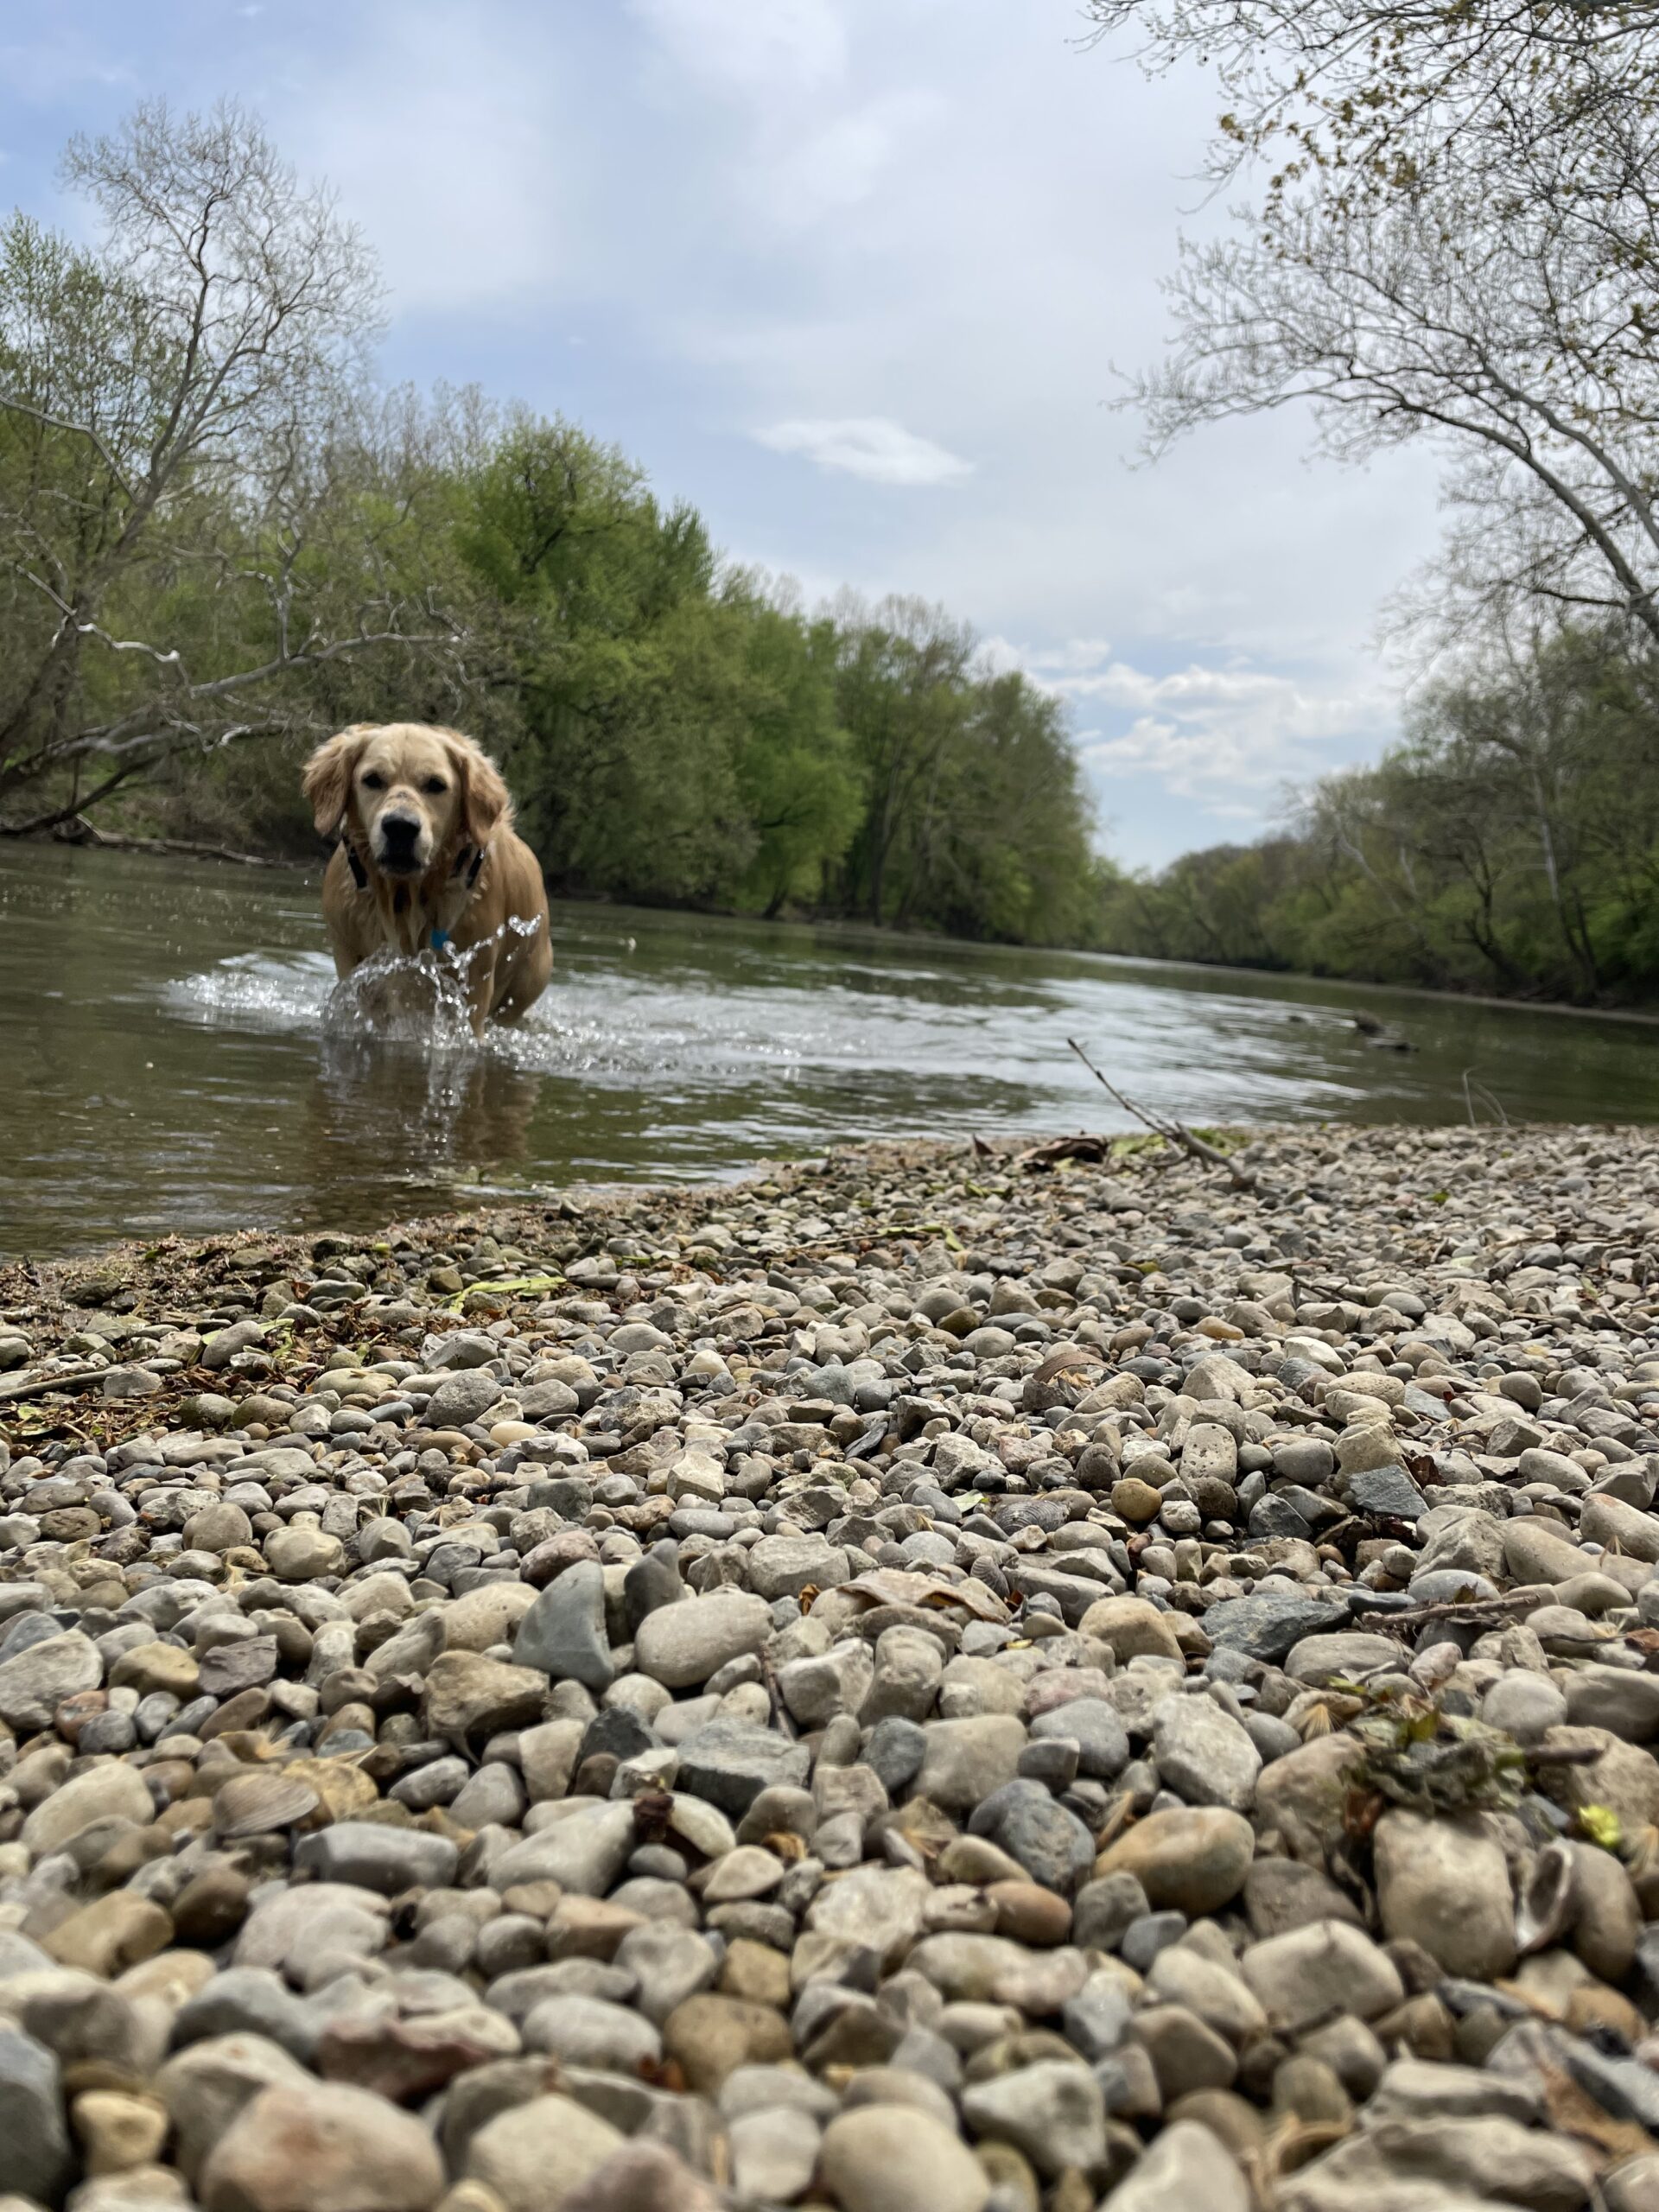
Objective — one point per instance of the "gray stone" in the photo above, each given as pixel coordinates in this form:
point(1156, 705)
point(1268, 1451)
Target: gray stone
point(372, 1856)
point(1051, 1843)
point(730, 1763)
point(1186, 2167)
point(248, 2001)
point(1097, 2020)
point(1268, 1628)
point(895, 1750)
point(682, 1645)
point(1052, 2111)
point(1444, 1883)
point(1386, 1490)
point(589, 2031)
point(1524, 1705)
point(584, 1851)
point(1317, 1660)
point(966, 1760)
point(35, 1681)
point(462, 1398)
point(37, 2160)
point(1203, 1754)
point(562, 1634)
point(1096, 1728)
point(1313, 1973)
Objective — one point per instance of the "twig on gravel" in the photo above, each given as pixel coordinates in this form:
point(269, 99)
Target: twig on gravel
point(1172, 1131)
point(1488, 1098)
point(41, 1386)
point(1456, 1609)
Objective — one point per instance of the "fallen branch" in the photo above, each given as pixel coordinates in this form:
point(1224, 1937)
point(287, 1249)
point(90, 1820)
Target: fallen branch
point(1455, 1609)
point(41, 1386)
point(1173, 1132)
point(87, 833)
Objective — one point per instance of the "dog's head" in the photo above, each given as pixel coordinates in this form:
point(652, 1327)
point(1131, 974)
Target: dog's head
point(407, 792)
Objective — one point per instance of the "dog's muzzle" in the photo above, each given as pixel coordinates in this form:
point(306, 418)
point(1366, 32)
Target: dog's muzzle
point(397, 839)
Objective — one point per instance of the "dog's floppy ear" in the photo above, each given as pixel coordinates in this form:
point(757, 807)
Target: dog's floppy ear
point(328, 778)
point(483, 794)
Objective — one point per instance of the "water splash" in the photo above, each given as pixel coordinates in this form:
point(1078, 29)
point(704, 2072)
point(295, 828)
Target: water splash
point(254, 990)
point(417, 1002)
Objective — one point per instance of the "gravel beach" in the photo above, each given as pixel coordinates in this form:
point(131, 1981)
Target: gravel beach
point(935, 1679)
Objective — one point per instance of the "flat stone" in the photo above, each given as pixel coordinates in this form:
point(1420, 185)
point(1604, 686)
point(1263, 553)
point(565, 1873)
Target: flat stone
point(1270, 1628)
point(1317, 1660)
point(1317, 1973)
point(730, 1763)
point(371, 1856)
point(35, 1681)
point(110, 1790)
point(585, 1851)
point(1387, 1490)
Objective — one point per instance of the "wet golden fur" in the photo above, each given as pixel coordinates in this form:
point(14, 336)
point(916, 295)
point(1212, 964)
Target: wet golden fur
point(410, 800)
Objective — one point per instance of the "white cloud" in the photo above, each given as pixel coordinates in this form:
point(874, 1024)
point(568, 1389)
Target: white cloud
point(1223, 735)
point(870, 447)
point(751, 47)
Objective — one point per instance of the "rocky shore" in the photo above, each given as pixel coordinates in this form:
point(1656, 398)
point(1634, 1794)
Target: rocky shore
point(934, 1681)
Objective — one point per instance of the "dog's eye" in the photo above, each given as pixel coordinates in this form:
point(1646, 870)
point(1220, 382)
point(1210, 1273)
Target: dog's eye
point(436, 785)
point(373, 780)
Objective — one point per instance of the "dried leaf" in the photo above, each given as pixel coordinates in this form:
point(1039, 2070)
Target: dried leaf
point(893, 1585)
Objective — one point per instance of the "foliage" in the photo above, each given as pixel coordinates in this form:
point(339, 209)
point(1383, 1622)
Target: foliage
point(1509, 844)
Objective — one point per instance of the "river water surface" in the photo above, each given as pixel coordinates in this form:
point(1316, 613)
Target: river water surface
point(169, 1059)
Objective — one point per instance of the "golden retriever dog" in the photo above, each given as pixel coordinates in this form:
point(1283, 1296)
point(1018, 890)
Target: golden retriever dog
point(427, 860)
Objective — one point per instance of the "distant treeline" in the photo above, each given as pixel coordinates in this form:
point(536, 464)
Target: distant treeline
point(1510, 845)
point(680, 732)
point(220, 540)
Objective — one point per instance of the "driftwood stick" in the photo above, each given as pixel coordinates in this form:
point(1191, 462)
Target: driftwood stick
point(41, 1386)
point(1455, 1609)
point(1172, 1131)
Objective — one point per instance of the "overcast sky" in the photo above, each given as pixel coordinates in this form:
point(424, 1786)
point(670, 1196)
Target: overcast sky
point(857, 276)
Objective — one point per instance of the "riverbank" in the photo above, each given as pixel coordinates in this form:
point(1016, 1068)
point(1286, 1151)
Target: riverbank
point(948, 1677)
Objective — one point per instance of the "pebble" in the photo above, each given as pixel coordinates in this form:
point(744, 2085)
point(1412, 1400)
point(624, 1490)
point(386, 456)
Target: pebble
point(881, 1686)
point(889, 2159)
point(322, 2149)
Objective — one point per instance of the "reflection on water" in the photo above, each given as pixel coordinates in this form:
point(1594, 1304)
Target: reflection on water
point(177, 1053)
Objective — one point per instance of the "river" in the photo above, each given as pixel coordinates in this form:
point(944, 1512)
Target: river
point(169, 1061)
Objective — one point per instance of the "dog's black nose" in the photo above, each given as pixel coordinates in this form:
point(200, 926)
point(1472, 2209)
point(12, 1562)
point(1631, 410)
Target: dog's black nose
point(398, 832)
